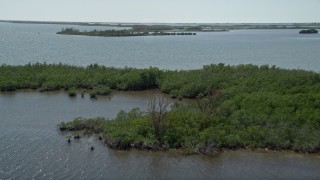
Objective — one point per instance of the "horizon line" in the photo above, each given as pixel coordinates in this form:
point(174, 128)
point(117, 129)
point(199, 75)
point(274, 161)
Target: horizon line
point(135, 22)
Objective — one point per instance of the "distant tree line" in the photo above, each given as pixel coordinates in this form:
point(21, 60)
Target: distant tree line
point(122, 33)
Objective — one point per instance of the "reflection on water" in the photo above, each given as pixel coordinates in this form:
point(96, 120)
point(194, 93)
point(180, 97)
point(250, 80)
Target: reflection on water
point(32, 146)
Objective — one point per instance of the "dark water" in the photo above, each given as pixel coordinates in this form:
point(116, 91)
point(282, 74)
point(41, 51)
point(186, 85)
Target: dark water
point(32, 147)
point(22, 43)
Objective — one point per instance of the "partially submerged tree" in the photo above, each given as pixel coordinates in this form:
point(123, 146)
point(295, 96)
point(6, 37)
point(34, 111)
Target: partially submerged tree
point(158, 110)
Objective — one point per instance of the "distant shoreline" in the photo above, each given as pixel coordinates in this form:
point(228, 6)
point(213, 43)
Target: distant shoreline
point(205, 26)
point(143, 31)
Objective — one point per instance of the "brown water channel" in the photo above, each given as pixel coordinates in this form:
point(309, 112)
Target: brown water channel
point(31, 146)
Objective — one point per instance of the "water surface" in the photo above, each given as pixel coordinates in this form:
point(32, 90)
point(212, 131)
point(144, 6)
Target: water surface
point(32, 147)
point(24, 43)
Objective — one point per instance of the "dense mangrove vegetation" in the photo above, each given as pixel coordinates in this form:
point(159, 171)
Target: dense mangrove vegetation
point(244, 106)
point(50, 77)
point(121, 33)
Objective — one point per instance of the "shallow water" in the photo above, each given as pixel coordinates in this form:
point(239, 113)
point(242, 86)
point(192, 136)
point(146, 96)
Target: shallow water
point(24, 43)
point(33, 147)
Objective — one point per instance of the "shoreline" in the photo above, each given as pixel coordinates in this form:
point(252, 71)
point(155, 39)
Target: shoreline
point(182, 151)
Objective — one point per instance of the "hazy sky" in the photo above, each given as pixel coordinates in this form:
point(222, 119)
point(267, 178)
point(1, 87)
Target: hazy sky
point(199, 11)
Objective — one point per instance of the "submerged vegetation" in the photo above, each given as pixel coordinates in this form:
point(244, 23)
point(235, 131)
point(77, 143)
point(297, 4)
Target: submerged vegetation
point(244, 106)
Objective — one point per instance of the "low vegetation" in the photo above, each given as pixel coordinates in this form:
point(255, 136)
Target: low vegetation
point(98, 80)
point(72, 92)
point(242, 106)
point(122, 33)
point(193, 130)
point(103, 90)
point(309, 31)
point(235, 106)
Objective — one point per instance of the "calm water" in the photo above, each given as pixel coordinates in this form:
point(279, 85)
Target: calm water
point(32, 146)
point(22, 43)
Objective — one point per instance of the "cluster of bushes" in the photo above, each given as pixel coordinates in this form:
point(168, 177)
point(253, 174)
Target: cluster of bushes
point(249, 125)
point(241, 106)
point(99, 79)
point(232, 80)
point(239, 79)
point(93, 125)
point(72, 91)
point(100, 90)
point(127, 130)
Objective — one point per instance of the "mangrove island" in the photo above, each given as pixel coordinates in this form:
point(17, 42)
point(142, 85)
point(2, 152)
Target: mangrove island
point(122, 33)
point(243, 106)
point(309, 31)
